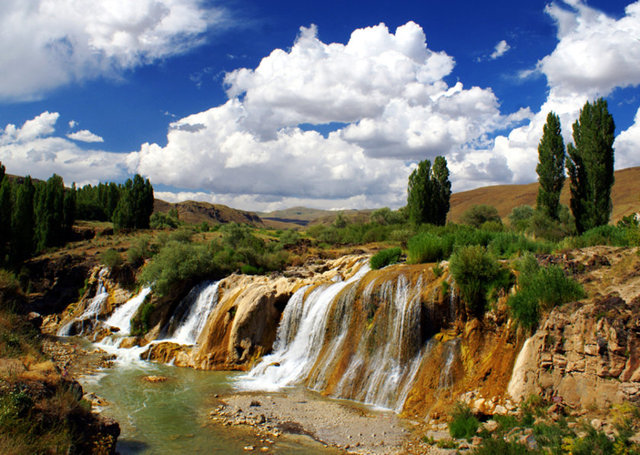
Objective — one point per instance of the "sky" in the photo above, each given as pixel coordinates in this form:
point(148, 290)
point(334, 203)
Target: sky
point(268, 105)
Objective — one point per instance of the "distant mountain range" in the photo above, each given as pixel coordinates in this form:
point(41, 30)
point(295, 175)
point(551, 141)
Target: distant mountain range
point(625, 196)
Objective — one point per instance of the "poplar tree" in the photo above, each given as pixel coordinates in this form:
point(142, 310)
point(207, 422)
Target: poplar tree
point(22, 221)
point(590, 166)
point(550, 168)
point(429, 191)
point(49, 206)
point(5, 217)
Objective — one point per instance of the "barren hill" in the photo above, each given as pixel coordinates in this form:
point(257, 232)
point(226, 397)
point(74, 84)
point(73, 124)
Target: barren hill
point(196, 212)
point(625, 196)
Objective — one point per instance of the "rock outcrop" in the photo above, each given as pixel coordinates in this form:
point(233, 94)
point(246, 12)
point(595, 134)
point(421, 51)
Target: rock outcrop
point(588, 354)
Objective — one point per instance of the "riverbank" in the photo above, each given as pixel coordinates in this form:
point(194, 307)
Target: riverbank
point(346, 426)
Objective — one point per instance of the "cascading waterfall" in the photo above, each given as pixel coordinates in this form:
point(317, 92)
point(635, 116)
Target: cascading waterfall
point(121, 317)
point(321, 339)
point(298, 349)
point(389, 353)
point(91, 312)
point(201, 301)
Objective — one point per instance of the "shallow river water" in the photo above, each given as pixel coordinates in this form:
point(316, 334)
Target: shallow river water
point(171, 417)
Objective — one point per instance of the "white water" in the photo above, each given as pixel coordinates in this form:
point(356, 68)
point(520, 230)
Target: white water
point(92, 310)
point(193, 321)
point(121, 317)
point(386, 374)
point(299, 340)
point(388, 354)
point(202, 300)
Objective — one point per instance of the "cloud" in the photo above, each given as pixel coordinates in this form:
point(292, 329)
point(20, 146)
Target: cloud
point(501, 48)
point(595, 53)
point(385, 91)
point(45, 44)
point(627, 145)
point(32, 150)
point(42, 125)
point(85, 136)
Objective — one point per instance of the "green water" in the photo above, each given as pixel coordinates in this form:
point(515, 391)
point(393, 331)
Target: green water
point(171, 417)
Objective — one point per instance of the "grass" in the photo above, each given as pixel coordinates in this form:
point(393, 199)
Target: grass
point(540, 289)
point(385, 257)
point(464, 424)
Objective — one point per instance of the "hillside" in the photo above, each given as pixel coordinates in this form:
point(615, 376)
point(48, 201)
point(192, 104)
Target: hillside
point(625, 196)
point(196, 212)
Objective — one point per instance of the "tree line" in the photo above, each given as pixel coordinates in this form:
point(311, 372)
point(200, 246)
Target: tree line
point(36, 215)
point(588, 163)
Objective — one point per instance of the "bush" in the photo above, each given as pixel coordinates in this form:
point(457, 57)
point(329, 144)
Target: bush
point(479, 214)
point(140, 323)
point(248, 269)
point(111, 258)
point(463, 423)
point(385, 257)
point(540, 289)
point(176, 262)
point(508, 244)
point(161, 220)
point(474, 271)
point(520, 217)
point(427, 247)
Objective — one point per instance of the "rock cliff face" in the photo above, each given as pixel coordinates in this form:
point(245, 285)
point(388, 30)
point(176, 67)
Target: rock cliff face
point(588, 352)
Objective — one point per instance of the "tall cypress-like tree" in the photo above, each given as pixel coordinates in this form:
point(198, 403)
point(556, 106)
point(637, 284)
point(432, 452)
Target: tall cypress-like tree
point(6, 203)
point(550, 168)
point(69, 210)
point(49, 207)
point(590, 166)
point(124, 213)
point(442, 190)
point(22, 221)
point(429, 190)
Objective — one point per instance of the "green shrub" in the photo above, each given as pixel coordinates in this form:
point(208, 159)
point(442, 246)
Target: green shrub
point(427, 247)
point(520, 217)
point(540, 289)
point(161, 220)
point(508, 244)
point(474, 271)
point(385, 257)
point(479, 214)
point(177, 262)
point(463, 423)
point(140, 323)
point(111, 258)
point(248, 269)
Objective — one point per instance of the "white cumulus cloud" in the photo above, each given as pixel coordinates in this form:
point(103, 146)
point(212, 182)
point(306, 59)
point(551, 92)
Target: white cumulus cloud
point(31, 149)
point(45, 44)
point(501, 48)
point(85, 136)
point(384, 89)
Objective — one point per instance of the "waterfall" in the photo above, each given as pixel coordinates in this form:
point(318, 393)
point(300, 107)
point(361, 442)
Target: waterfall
point(389, 354)
point(451, 349)
point(364, 345)
point(91, 312)
point(121, 317)
point(299, 338)
point(201, 301)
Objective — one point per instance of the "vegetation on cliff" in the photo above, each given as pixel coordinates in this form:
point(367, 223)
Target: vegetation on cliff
point(40, 410)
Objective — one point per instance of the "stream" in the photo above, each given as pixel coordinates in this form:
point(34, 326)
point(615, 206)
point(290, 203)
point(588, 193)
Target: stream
point(172, 417)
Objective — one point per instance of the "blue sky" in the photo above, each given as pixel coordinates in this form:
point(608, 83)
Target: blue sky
point(265, 105)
